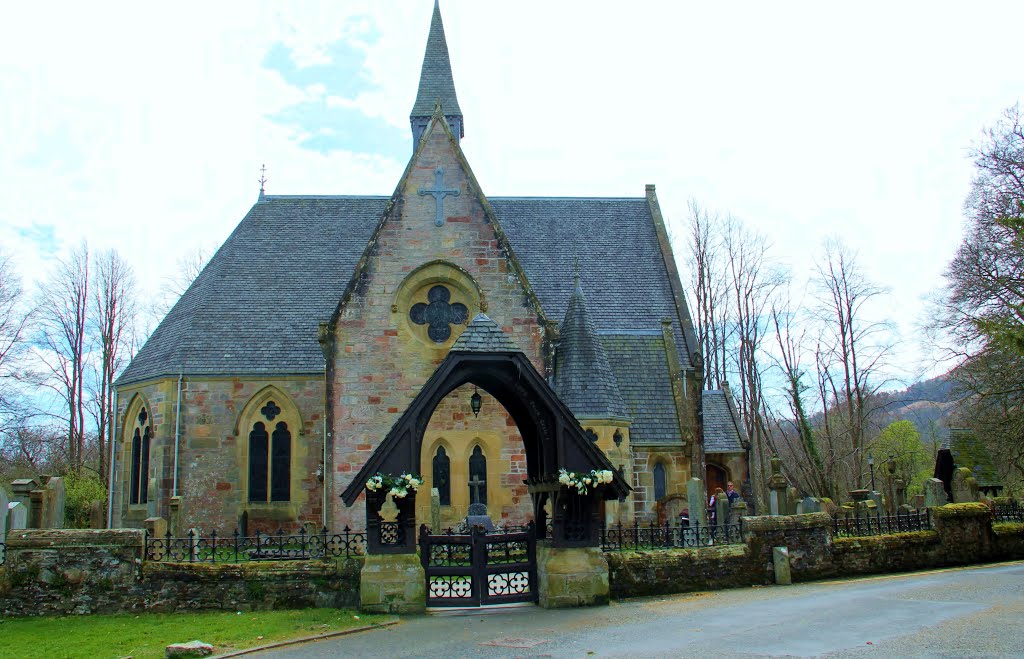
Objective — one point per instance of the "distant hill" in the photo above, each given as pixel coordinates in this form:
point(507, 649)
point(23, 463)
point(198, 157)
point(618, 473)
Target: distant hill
point(929, 404)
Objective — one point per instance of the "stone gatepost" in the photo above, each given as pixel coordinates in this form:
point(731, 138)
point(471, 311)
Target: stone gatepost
point(571, 576)
point(392, 579)
point(571, 568)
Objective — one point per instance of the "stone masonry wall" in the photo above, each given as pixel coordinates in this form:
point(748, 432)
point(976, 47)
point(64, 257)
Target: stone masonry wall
point(382, 357)
point(78, 572)
point(213, 451)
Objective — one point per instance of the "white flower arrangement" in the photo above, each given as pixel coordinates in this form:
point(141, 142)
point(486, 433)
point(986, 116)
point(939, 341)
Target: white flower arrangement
point(399, 486)
point(584, 482)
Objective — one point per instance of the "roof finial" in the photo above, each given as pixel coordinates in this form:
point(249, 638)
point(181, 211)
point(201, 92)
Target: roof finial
point(263, 178)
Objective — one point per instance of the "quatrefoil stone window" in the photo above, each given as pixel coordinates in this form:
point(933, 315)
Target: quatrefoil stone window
point(438, 315)
point(270, 410)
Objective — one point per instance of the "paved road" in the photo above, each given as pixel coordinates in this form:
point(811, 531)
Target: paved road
point(972, 612)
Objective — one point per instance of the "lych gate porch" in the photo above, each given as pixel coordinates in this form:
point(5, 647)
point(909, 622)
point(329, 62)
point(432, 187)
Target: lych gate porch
point(553, 440)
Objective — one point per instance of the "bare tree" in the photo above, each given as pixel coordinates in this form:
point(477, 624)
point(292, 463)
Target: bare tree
point(708, 267)
point(174, 286)
point(15, 320)
point(850, 352)
point(63, 310)
point(113, 320)
point(754, 280)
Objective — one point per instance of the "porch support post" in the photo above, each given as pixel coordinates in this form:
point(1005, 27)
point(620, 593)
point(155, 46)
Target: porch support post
point(571, 576)
point(392, 579)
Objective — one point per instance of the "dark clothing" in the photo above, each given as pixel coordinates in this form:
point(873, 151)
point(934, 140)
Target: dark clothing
point(732, 496)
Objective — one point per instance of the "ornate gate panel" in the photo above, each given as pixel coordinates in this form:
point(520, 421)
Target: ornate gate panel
point(480, 568)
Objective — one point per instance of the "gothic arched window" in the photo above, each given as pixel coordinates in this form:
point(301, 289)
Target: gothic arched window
point(478, 476)
point(138, 492)
point(442, 468)
point(281, 464)
point(659, 481)
point(259, 444)
point(270, 463)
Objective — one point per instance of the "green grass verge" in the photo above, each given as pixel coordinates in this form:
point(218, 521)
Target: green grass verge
point(147, 634)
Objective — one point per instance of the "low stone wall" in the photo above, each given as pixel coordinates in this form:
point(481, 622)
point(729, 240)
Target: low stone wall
point(50, 572)
point(964, 534)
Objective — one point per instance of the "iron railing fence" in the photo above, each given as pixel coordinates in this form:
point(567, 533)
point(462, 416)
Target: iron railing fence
point(237, 548)
point(1008, 512)
point(667, 536)
point(848, 524)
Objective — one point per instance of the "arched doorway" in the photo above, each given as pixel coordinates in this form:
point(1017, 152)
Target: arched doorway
point(717, 477)
point(552, 438)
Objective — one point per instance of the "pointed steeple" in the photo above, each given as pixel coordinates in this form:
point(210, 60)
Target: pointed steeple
point(583, 376)
point(436, 84)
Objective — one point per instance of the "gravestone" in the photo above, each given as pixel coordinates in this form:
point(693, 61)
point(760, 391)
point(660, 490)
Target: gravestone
point(96, 520)
point(35, 511)
point(17, 516)
point(918, 501)
point(695, 494)
point(21, 492)
point(478, 517)
point(810, 505)
point(964, 487)
point(778, 497)
point(152, 498)
point(877, 498)
point(721, 510)
point(53, 504)
point(736, 510)
point(3, 514)
point(934, 493)
point(435, 510)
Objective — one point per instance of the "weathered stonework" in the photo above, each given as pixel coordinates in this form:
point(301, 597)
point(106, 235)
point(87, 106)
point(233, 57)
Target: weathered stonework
point(77, 572)
point(392, 583)
point(571, 576)
point(216, 417)
point(381, 357)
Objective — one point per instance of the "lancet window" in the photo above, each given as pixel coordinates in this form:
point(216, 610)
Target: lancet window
point(142, 435)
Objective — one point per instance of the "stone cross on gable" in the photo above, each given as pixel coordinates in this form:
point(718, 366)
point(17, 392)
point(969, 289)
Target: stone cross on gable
point(439, 192)
point(475, 486)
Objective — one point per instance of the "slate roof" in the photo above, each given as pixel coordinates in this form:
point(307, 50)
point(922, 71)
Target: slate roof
point(255, 308)
point(622, 270)
point(583, 378)
point(723, 432)
point(641, 368)
point(436, 82)
point(483, 335)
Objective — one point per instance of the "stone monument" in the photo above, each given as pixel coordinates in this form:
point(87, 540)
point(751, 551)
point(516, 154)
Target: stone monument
point(964, 486)
point(17, 516)
point(3, 514)
point(695, 496)
point(934, 493)
point(53, 504)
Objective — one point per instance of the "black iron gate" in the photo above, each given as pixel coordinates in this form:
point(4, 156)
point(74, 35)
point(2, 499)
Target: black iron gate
point(479, 568)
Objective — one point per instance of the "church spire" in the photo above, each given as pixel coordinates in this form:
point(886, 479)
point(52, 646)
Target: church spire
point(583, 376)
point(436, 84)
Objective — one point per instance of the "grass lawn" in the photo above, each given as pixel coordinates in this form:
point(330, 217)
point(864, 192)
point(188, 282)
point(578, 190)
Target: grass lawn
point(146, 635)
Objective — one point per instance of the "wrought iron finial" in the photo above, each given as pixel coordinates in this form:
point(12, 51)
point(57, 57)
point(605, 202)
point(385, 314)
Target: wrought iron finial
point(263, 178)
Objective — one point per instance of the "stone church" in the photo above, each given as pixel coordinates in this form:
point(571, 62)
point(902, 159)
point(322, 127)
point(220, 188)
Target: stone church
point(273, 379)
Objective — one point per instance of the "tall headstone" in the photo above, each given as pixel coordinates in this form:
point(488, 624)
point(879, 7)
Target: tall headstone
point(877, 498)
point(53, 504)
point(722, 510)
point(17, 516)
point(3, 514)
point(695, 495)
point(152, 494)
point(435, 510)
point(934, 493)
point(964, 487)
point(778, 495)
point(810, 505)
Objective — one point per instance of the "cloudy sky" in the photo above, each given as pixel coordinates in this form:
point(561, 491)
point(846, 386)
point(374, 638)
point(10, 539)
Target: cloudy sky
point(142, 127)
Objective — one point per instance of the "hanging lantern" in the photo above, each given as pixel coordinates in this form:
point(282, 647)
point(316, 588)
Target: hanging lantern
point(475, 401)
